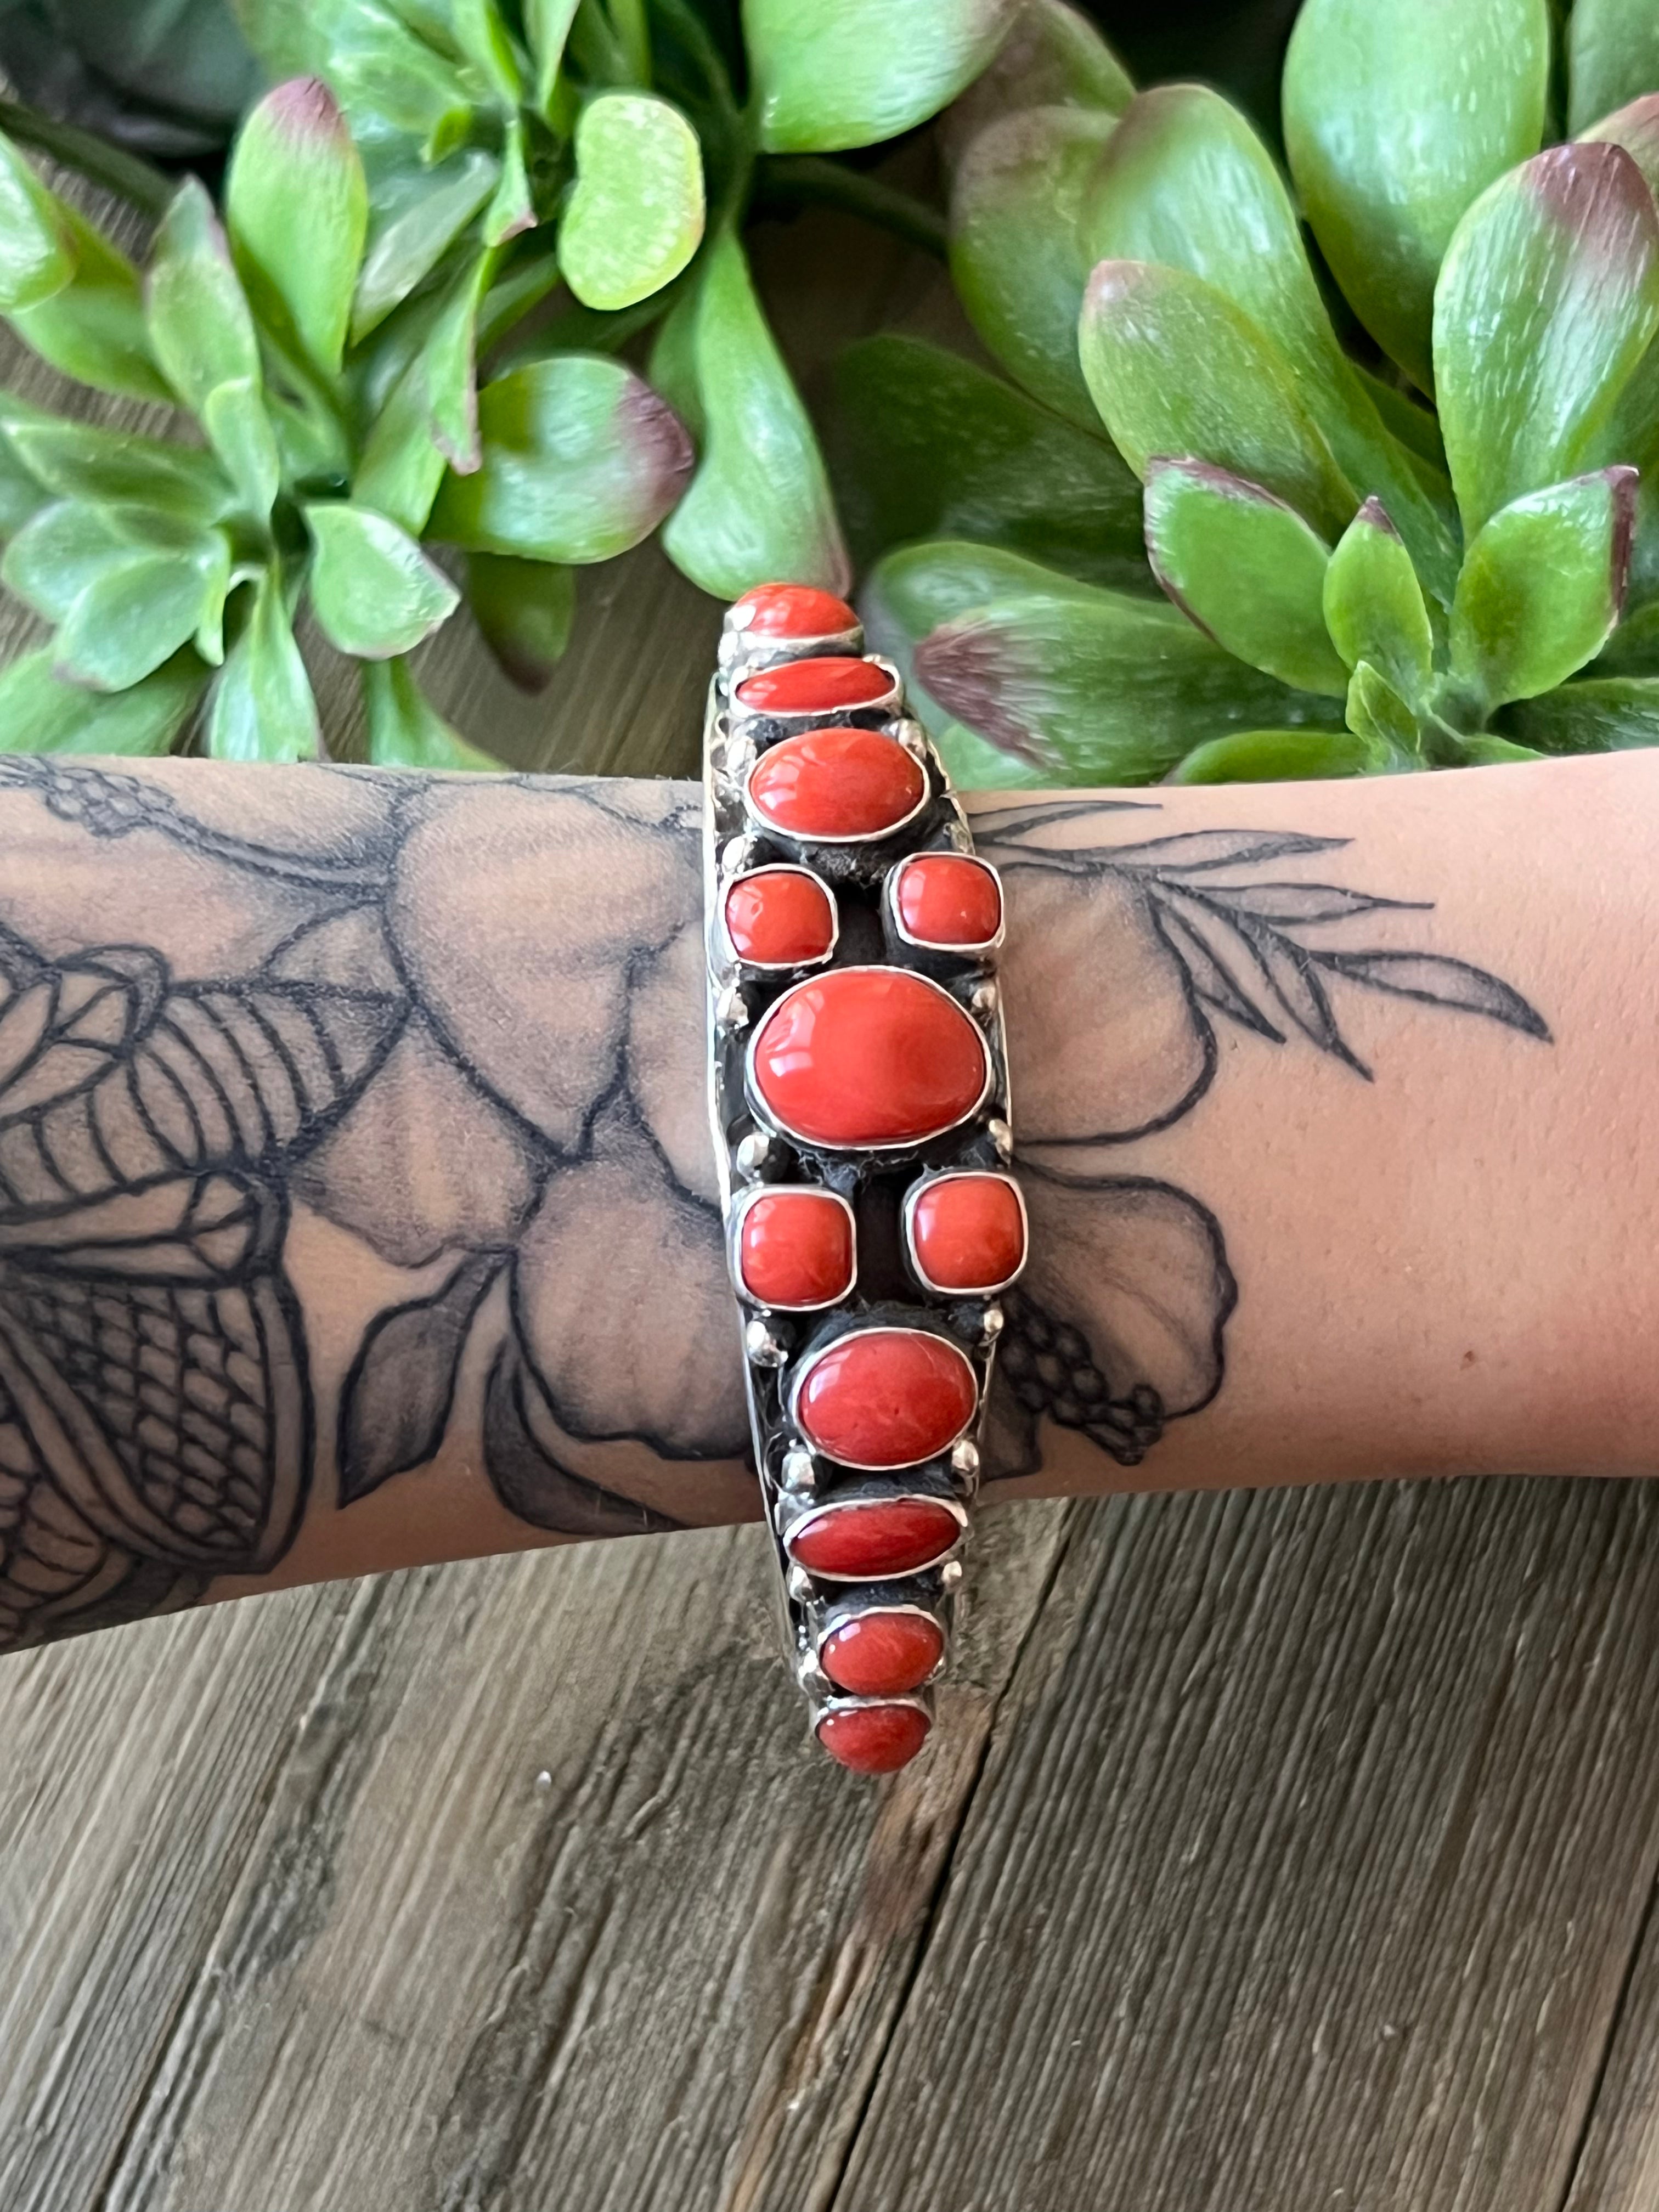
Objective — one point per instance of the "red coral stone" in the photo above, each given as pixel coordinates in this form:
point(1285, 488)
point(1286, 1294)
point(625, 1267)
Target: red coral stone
point(780, 918)
point(874, 1739)
point(944, 899)
point(836, 783)
point(880, 1654)
point(811, 687)
point(968, 1232)
point(873, 1539)
point(867, 1056)
point(795, 1249)
point(791, 610)
point(886, 1397)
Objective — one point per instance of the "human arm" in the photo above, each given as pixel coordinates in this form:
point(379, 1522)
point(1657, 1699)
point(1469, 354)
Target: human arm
point(356, 1204)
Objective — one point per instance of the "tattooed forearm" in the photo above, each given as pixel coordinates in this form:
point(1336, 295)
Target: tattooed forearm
point(348, 1119)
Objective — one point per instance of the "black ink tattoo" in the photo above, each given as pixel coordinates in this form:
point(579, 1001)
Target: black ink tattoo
point(342, 1012)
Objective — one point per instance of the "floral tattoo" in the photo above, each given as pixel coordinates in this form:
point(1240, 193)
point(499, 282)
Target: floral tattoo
point(456, 1024)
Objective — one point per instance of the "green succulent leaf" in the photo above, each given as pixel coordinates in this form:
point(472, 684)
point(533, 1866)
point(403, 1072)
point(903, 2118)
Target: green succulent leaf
point(1602, 714)
point(1612, 55)
point(80, 461)
point(635, 217)
point(830, 73)
point(41, 714)
point(1285, 756)
point(1052, 57)
point(1246, 568)
point(449, 367)
point(1111, 689)
point(1541, 587)
point(296, 203)
point(1017, 257)
point(384, 74)
point(22, 494)
point(71, 543)
point(930, 445)
point(199, 324)
point(417, 211)
point(1377, 712)
point(262, 708)
point(1176, 368)
point(580, 460)
point(1484, 750)
point(1545, 303)
point(1398, 114)
point(1636, 128)
point(759, 506)
point(137, 613)
point(1185, 181)
point(525, 609)
point(375, 592)
point(93, 329)
point(37, 257)
point(402, 468)
point(1374, 605)
point(511, 207)
point(547, 25)
point(239, 431)
point(405, 730)
point(482, 36)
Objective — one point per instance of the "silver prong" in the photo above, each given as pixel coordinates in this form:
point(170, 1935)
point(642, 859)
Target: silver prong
point(992, 1323)
point(811, 1676)
point(799, 1471)
point(1002, 1137)
point(762, 1348)
point(911, 735)
point(751, 1154)
point(798, 1583)
point(961, 836)
point(984, 999)
point(736, 854)
point(964, 1457)
point(732, 1009)
point(949, 1575)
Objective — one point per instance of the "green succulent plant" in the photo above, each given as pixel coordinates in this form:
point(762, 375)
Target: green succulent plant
point(353, 342)
point(1248, 505)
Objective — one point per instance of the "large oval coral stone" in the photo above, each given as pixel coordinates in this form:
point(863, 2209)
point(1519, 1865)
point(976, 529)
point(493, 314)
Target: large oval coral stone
point(873, 1739)
point(835, 783)
point(815, 686)
point(791, 610)
point(860, 1057)
point(882, 1654)
point(780, 918)
point(873, 1539)
point(886, 1397)
point(947, 900)
point(795, 1249)
point(968, 1232)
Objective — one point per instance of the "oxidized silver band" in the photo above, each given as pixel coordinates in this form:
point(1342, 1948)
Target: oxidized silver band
point(858, 1093)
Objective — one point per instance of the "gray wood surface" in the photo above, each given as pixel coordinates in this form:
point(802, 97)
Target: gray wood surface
point(1282, 1853)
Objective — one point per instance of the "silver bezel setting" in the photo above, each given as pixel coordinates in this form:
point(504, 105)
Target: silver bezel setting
point(805, 1367)
point(824, 1509)
point(802, 968)
point(763, 822)
point(982, 947)
point(907, 1214)
point(739, 1213)
point(843, 1615)
point(746, 717)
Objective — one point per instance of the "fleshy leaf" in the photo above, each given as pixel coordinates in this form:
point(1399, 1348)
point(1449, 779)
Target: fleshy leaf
point(635, 217)
point(374, 592)
point(1541, 587)
point(1185, 180)
point(449, 365)
point(416, 212)
point(1376, 711)
point(37, 257)
point(138, 613)
point(1612, 55)
point(77, 460)
point(1053, 57)
point(41, 714)
point(1113, 689)
point(384, 74)
point(1546, 301)
point(402, 468)
point(262, 708)
point(1374, 605)
point(199, 324)
point(830, 73)
point(68, 545)
point(580, 460)
point(525, 609)
point(296, 203)
point(405, 730)
point(1284, 757)
point(239, 431)
point(1175, 368)
point(1398, 114)
point(94, 330)
point(1636, 128)
point(1246, 568)
point(930, 445)
point(1602, 714)
point(759, 508)
point(511, 207)
point(547, 25)
point(1018, 256)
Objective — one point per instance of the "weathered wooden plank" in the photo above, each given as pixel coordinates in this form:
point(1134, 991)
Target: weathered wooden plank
point(1314, 1838)
point(1617, 2169)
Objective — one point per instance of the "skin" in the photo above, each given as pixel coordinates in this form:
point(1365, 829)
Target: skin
point(399, 1182)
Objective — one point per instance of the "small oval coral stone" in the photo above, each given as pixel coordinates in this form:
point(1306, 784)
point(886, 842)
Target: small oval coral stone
point(780, 918)
point(945, 899)
point(886, 1397)
point(873, 1739)
point(881, 1655)
point(795, 1249)
point(860, 1057)
point(835, 783)
point(815, 686)
point(792, 610)
point(968, 1232)
point(873, 1539)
